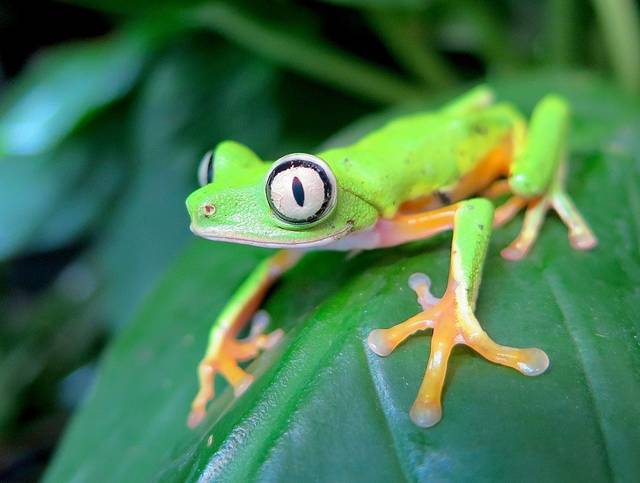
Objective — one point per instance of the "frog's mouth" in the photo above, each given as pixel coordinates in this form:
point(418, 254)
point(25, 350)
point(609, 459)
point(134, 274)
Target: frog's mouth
point(216, 235)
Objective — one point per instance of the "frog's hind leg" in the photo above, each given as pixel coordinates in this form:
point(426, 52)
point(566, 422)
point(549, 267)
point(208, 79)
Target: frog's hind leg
point(537, 180)
point(452, 318)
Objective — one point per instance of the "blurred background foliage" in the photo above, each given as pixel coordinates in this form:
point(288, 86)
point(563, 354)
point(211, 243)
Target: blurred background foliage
point(106, 107)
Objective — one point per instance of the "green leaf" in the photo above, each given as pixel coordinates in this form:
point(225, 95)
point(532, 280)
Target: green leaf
point(386, 4)
point(281, 35)
point(305, 54)
point(50, 199)
point(324, 408)
point(43, 340)
point(66, 85)
point(137, 7)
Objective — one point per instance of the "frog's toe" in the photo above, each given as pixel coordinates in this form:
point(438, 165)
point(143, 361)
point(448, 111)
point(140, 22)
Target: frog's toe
point(580, 235)
point(384, 341)
point(426, 414)
point(379, 342)
point(514, 252)
point(225, 363)
point(533, 218)
point(420, 283)
point(259, 323)
point(533, 362)
point(249, 347)
point(272, 339)
point(195, 417)
point(581, 240)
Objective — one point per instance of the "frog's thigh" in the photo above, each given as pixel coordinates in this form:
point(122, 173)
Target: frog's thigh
point(537, 160)
point(414, 226)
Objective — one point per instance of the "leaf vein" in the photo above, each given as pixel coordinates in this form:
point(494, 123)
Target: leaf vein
point(600, 424)
point(379, 396)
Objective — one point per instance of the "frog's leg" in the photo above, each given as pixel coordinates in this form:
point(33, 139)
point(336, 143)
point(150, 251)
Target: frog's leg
point(451, 317)
point(224, 350)
point(537, 180)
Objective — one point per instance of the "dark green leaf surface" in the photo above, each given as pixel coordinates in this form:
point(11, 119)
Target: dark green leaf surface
point(383, 4)
point(49, 199)
point(326, 409)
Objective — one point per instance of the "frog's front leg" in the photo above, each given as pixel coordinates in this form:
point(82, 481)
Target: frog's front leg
point(537, 180)
point(452, 318)
point(224, 351)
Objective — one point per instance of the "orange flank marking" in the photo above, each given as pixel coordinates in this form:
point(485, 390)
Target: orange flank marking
point(494, 165)
point(497, 188)
point(407, 227)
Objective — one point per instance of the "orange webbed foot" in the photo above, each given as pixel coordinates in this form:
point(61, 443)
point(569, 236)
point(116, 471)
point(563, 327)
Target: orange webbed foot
point(225, 362)
point(453, 323)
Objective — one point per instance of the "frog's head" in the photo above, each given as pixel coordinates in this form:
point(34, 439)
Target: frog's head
point(295, 202)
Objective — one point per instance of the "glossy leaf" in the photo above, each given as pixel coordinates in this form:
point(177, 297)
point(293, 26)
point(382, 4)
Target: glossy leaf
point(324, 408)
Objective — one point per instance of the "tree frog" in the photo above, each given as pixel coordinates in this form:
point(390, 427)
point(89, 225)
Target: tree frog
point(418, 175)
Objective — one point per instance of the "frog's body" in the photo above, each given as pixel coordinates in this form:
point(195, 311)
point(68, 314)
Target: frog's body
point(405, 181)
point(431, 151)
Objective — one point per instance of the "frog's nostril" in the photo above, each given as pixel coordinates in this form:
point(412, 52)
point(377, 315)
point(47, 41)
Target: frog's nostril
point(208, 209)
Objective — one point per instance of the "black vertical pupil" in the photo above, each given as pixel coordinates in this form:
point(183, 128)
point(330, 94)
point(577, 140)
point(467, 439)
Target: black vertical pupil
point(298, 191)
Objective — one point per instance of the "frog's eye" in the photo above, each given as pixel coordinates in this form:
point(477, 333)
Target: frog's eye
point(205, 170)
point(301, 189)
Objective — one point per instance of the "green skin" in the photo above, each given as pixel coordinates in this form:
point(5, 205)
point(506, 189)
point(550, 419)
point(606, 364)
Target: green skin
point(409, 158)
point(434, 149)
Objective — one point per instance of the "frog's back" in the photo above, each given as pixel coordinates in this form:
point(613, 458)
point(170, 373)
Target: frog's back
point(415, 155)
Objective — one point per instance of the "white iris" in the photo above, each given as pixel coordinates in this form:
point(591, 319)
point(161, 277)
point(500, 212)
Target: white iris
point(284, 200)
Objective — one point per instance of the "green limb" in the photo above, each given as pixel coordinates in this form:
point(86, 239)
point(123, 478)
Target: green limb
point(537, 179)
point(237, 311)
point(537, 162)
point(224, 351)
point(471, 234)
point(248, 297)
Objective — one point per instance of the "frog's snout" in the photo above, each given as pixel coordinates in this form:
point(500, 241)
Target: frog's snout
point(200, 207)
point(200, 211)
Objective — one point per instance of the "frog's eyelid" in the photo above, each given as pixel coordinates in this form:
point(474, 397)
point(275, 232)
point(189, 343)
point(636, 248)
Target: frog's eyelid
point(206, 169)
